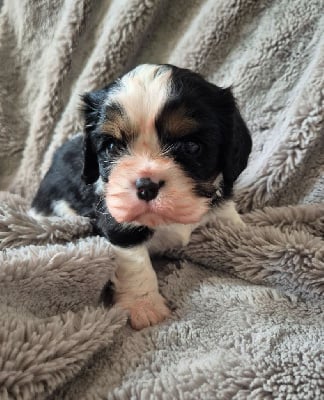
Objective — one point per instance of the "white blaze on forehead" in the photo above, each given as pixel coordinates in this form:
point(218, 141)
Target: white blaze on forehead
point(142, 94)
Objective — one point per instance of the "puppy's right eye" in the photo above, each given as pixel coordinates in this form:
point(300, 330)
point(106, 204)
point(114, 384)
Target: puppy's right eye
point(110, 145)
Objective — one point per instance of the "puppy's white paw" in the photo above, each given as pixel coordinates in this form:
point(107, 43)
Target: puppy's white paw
point(146, 310)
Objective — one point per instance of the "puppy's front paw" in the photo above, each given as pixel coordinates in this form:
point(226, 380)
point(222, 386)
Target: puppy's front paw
point(146, 310)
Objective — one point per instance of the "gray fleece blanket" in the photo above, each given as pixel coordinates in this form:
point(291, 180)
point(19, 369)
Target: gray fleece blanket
point(247, 319)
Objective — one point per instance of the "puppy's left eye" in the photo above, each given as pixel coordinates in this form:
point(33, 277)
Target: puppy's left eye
point(111, 145)
point(191, 148)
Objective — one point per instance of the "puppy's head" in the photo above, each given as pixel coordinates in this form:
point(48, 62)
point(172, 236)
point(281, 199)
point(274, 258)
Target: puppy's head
point(162, 138)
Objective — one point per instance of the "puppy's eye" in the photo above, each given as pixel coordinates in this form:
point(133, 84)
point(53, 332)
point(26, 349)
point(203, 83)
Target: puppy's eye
point(111, 146)
point(191, 148)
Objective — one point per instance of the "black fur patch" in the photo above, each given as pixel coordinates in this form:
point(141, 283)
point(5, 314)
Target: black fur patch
point(123, 235)
point(221, 133)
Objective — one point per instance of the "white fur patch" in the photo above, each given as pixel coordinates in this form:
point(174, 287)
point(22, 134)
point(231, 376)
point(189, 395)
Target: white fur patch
point(217, 184)
point(99, 187)
point(61, 208)
point(170, 236)
point(135, 274)
point(35, 214)
point(142, 93)
point(178, 235)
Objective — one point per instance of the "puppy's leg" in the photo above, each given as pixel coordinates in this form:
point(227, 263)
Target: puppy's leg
point(136, 287)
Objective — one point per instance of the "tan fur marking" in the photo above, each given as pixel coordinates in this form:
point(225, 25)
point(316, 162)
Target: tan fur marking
point(116, 125)
point(179, 124)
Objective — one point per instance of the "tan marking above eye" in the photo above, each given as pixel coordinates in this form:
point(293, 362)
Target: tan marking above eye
point(178, 124)
point(112, 128)
point(117, 125)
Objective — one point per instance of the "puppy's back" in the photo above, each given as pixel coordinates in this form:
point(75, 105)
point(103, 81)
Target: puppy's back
point(62, 191)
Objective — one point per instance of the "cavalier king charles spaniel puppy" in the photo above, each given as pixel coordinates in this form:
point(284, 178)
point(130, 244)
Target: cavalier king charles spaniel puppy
point(161, 150)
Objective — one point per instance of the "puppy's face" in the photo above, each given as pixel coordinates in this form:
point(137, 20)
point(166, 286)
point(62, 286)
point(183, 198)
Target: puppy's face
point(160, 138)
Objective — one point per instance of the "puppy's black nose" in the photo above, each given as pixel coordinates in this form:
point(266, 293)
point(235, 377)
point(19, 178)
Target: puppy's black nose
point(146, 189)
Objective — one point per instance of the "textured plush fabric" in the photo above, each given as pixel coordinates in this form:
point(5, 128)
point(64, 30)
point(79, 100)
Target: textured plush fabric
point(248, 303)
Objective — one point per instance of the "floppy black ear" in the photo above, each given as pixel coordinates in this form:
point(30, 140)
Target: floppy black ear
point(92, 108)
point(90, 173)
point(239, 148)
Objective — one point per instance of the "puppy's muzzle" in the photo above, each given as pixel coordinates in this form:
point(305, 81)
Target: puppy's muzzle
point(147, 189)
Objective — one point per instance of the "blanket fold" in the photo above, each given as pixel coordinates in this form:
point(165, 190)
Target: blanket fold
point(39, 355)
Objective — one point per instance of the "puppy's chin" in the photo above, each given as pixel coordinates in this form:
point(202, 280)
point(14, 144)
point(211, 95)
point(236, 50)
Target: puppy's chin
point(152, 220)
point(176, 201)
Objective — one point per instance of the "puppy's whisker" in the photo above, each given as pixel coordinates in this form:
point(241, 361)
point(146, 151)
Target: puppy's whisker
point(166, 150)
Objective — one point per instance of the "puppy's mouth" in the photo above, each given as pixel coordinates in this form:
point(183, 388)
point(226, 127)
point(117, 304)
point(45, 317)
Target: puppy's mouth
point(165, 209)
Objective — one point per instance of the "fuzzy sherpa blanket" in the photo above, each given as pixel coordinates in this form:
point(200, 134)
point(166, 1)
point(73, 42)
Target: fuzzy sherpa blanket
point(248, 303)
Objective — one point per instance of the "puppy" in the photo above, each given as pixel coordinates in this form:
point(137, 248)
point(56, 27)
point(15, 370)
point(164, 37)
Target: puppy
point(161, 150)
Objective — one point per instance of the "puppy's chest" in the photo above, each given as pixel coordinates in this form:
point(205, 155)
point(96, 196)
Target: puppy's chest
point(170, 236)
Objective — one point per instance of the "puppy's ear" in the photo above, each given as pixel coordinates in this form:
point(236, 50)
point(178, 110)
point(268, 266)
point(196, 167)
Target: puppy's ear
point(238, 147)
point(90, 173)
point(92, 105)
